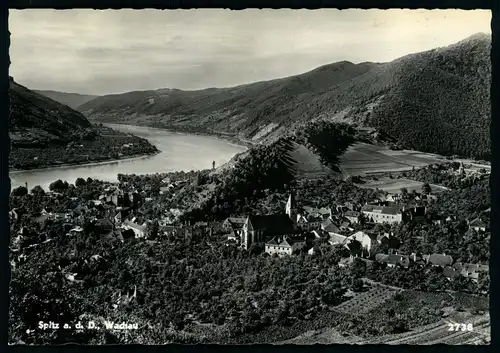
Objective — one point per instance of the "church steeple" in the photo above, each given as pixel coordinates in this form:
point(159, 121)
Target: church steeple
point(291, 207)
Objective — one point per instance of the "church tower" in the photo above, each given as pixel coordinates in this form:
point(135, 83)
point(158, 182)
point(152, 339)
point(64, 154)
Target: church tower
point(291, 208)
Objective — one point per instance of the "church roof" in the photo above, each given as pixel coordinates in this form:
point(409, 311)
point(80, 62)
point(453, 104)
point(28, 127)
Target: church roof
point(275, 224)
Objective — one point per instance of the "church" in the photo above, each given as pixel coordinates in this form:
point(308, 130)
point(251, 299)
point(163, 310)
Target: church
point(259, 229)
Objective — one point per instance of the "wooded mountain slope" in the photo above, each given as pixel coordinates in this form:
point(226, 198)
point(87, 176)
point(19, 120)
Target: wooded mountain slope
point(72, 100)
point(435, 101)
point(37, 119)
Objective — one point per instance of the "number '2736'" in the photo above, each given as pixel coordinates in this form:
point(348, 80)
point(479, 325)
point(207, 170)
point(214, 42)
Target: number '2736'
point(460, 327)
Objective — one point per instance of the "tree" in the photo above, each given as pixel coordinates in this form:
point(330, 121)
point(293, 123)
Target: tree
point(153, 230)
point(20, 191)
point(357, 268)
point(357, 285)
point(80, 182)
point(56, 185)
point(404, 192)
point(38, 190)
point(426, 188)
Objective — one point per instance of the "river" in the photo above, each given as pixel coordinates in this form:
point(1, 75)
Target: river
point(178, 152)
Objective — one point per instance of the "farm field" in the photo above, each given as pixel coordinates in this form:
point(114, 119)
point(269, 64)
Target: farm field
point(431, 326)
point(394, 185)
point(363, 158)
point(367, 301)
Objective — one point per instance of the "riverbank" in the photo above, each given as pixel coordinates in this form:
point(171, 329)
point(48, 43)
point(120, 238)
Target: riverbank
point(90, 164)
point(231, 138)
point(107, 146)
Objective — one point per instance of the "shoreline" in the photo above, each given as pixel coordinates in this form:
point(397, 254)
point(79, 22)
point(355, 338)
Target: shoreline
point(231, 139)
point(66, 165)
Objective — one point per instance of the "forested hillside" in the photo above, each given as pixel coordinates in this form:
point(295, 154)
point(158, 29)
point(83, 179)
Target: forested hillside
point(434, 101)
point(46, 133)
point(37, 119)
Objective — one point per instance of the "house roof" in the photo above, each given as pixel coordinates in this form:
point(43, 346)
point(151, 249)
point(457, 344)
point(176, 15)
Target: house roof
point(450, 272)
point(103, 222)
point(273, 241)
point(135, 226)
point(329, 226)
point(468, 267)
point(275, 224)
point(391, 258)
point(391, 210)
point(337, 239)
point(285, 240)
point(314, 218)
point(236, 222)
point(477, 223)
point(351, 214)
point(440, 259)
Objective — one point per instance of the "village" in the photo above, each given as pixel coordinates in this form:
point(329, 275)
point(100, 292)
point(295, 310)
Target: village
point(360, 231)
point(353, 228)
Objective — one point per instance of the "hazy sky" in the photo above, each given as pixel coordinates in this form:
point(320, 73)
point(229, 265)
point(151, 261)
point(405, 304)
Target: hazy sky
point(113, 51)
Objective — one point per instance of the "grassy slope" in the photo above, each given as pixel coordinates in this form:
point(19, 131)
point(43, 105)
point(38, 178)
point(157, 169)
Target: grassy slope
point(419, 99)
point(72, 100)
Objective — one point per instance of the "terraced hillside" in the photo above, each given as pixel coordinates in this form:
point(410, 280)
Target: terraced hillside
point(435, 101)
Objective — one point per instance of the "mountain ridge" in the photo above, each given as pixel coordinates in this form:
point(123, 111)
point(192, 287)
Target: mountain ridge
point(424, 100)
point(72, 100)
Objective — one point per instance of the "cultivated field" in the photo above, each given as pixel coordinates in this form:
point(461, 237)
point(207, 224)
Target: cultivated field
point(434, 328)
point(367, 301)
point(363, 158)
point(439, 333)
point(394, 185)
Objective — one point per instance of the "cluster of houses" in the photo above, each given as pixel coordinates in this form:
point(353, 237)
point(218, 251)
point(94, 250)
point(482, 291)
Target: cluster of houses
point(284, 234)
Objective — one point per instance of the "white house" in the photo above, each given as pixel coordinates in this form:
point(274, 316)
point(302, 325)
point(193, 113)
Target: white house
point(139, 230)
point(284, 245)
point(383, 214)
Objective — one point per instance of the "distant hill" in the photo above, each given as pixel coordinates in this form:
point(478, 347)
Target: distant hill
point(45, 133)
point(36, 119)
point(436, 101)
point(72, 100)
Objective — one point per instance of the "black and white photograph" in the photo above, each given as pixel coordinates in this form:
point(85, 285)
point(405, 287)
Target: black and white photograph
point(272, 176)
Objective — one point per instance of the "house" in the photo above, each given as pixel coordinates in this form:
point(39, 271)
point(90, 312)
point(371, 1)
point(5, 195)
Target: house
point(442, 260)
point(470, 271)
point(233, 223)
point(139, 230)
point(309, 222)
point(367, 241)
point(329, 226)
point(393, 260)
point(478, 225)
point(104, 225)
point(417, 259)
point(13, 216)
point(383, 214)
point(451, 273)
point(345, 224)
point(394, 197)
point(352, 216)
point(164, 189)
point(285, 245)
